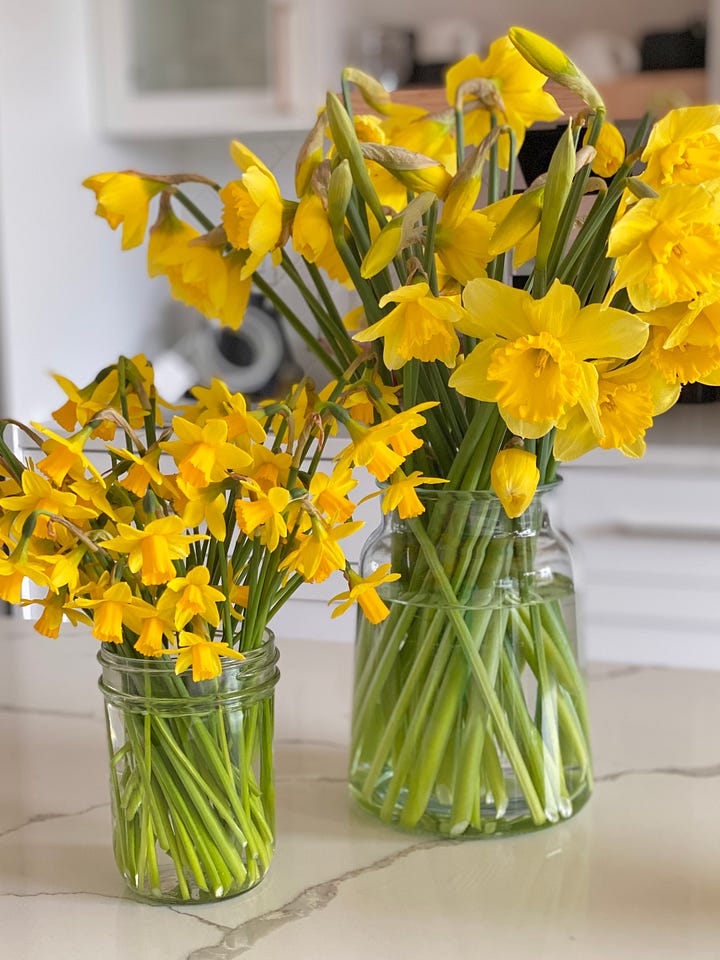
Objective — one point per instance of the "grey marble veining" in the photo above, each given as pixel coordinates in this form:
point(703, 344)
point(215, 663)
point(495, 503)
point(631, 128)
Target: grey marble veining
point(635, 875)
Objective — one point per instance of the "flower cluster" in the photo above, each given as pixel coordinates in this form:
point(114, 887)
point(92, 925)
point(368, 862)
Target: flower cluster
point(418, 214)
point(415, 213)
point(192, 535)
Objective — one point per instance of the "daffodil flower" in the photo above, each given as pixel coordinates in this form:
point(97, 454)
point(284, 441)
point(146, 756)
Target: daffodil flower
point(400, 494)
point(535, 357)
point(667, 247)
point(202, 654)
point(363, 591)
point(124, 198)
point(191, 596)
point(152, 550)
point(254, 214)
point(683, 147)
point(520, 89)
point(420, 327)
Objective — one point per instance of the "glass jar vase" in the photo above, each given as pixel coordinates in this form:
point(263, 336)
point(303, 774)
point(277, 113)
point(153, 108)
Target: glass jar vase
point(191, 774)
point(469, 712)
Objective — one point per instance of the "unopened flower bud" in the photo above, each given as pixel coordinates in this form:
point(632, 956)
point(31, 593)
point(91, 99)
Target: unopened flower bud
point(339, 193)
point(514, 477)
point(550, 60)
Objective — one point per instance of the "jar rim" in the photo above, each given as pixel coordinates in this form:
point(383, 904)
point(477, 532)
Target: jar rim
point(443, 491)
point(166, 664)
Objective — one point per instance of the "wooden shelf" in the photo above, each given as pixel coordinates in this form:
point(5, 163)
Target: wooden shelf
point(627, 97)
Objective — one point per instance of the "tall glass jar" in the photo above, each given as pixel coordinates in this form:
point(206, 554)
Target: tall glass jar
point(469, 712)
point(191, 774)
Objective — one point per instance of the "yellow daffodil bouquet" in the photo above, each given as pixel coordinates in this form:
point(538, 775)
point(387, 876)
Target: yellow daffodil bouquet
point(176, 533)
point(496, 330)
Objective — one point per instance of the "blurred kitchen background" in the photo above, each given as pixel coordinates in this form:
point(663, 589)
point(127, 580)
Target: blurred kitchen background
point(161, 86)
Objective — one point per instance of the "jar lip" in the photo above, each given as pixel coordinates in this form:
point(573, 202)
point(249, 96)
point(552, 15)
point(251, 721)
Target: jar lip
point(443, 491)
point(106, 657)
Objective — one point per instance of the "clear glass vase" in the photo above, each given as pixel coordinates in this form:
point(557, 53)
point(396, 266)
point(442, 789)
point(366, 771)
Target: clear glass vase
point(191, 774)
point(469, 712)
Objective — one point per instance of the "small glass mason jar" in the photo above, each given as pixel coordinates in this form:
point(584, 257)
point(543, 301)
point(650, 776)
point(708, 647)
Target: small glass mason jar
point(191, 774)
point(469, 712)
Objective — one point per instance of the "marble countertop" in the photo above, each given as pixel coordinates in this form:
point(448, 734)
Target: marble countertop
point(635, 875)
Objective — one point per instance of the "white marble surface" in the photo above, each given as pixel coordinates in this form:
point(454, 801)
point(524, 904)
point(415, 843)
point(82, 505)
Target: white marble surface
point(635, 875)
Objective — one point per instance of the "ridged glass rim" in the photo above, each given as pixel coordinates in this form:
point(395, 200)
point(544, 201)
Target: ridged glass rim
point(166, 664)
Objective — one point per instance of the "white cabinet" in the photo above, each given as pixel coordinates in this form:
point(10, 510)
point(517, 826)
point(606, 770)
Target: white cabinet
point(179, 68)
point(646, 544)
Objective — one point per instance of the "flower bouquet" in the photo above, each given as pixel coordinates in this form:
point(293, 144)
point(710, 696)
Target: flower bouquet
point(496, 331)
point(177, 543)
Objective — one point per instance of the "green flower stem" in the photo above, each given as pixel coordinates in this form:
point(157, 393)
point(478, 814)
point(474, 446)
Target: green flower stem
point(342, 350)
point(193, 208)
point(479, 672)
point(308, 338)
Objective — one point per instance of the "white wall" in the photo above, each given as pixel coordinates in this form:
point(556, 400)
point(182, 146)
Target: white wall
point(559, 20)
point(70, 300)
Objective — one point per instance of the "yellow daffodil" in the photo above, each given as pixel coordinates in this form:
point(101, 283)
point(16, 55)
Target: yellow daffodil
point(202, 654)
point(143, 470)
point(312, 238)
point(152, 550)
point(109, 611)
point(318, 553)
point(13, 571)
point(191, 596)
point(464, 249)
point(514, 476)
point(202, 505)
point(65, 455)
point(363, 591)
point(534, 358)
point(685, 341)
point(40, 496)
point(329, 494)
point(264, 514)
point(373, 447)
point(124, 198)
point(610, 147)
point(683, 147)
point(55, 610)
point(400, 494)
point(203, 453)
point(629, 397)
point(216, 402)
point(420, 327)
point(667, 248)
point(154, 631)
point(200, 274)
point(519, 87)
point(254, 215)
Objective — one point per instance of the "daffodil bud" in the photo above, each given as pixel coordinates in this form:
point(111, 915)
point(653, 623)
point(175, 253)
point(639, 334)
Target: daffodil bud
point(373, 92)
point(339, 193)
point(462, 193)
point(399, 233)
point(641, 190)
point(348, 147)
point(414, 170)
point(514, 477)
point(522, 218)
point(310, 155)
point(550, 60)
point(557, 187)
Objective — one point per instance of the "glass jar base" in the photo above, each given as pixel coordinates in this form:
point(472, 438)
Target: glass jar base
point(437, 817)
point(169, 892)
